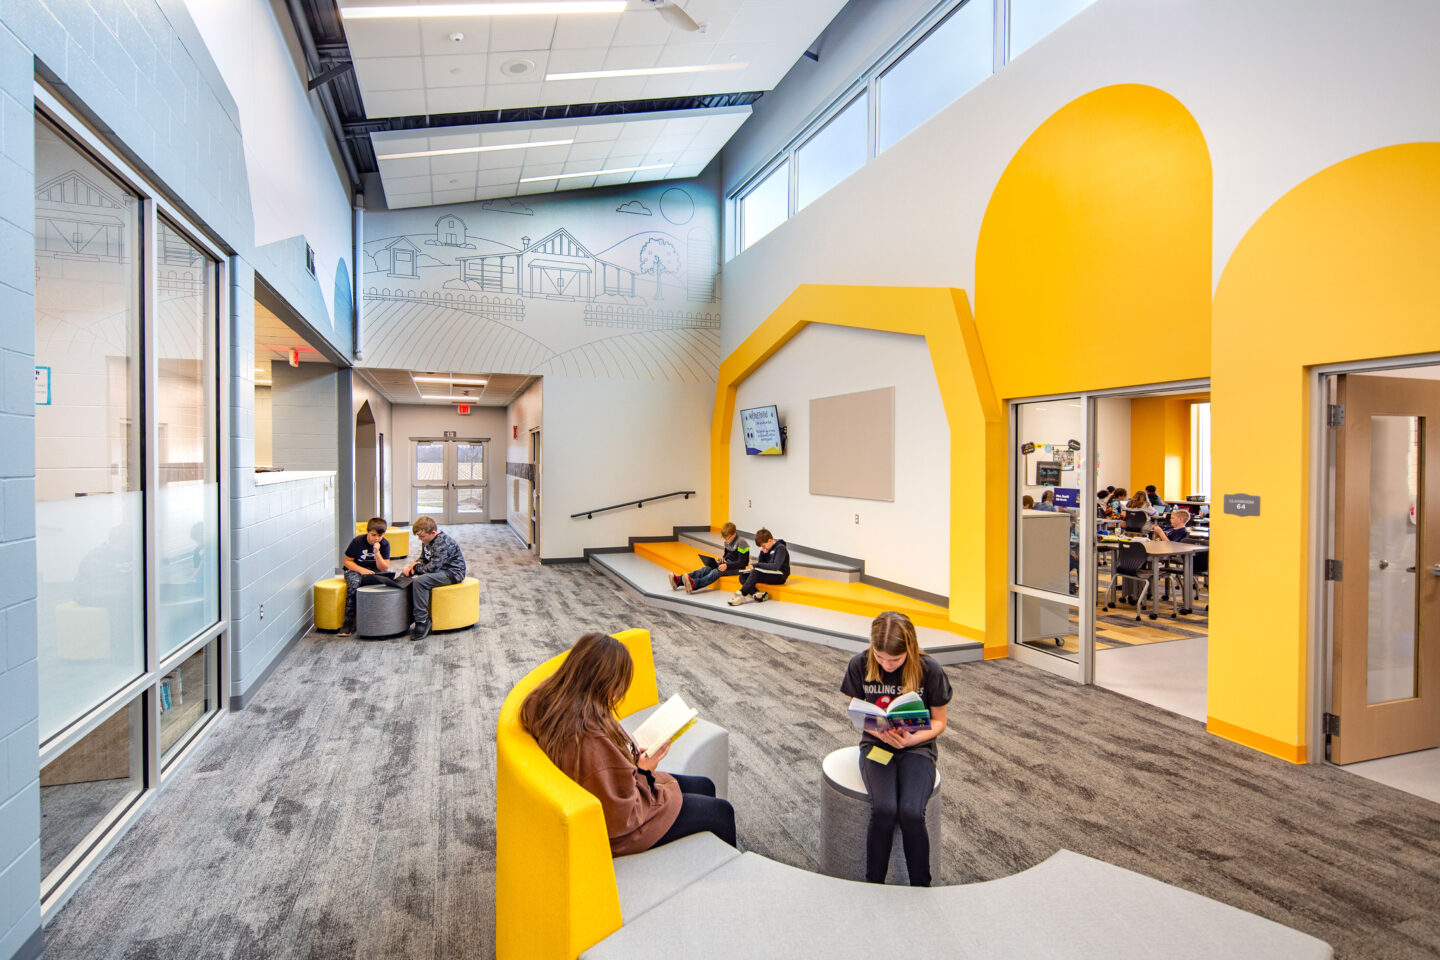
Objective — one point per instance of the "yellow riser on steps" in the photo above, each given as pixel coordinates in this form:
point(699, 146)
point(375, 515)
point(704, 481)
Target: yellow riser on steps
point(858, 598)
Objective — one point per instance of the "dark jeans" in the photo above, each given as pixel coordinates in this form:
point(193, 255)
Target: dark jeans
point(353, 582)
point(420, 593)
point(899, 791)
point(752, 580)
point(700, 812)
point(707, 575)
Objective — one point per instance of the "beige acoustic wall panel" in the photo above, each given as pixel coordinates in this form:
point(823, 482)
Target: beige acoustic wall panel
point(852, 445)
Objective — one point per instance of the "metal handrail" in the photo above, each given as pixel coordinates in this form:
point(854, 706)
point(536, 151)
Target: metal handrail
point(638, 504)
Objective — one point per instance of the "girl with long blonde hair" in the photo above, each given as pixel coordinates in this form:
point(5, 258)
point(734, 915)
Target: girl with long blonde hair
point(898, 765)
point(571, 715)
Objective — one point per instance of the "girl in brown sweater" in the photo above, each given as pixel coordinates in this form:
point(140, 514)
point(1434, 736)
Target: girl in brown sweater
point(571, 714)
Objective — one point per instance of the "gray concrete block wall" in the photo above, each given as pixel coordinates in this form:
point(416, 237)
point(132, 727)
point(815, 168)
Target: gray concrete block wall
point(19, 666)
point(302, 416)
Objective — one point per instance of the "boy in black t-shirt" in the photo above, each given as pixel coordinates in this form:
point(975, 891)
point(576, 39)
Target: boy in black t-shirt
point(366, 558)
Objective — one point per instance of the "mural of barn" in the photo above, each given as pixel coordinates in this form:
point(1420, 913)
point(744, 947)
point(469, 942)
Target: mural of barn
point(557, 267)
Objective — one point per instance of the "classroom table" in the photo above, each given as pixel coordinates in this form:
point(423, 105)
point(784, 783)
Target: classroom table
point(1156, 551)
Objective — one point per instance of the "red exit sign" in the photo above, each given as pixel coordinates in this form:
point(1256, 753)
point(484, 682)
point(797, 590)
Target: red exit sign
point(462, 408)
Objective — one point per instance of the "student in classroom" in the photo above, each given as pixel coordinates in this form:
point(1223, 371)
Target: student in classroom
point(771, 567)
point(898, 766)
point(440, 563)
point(1047, 501)
point(367, 557)
point(1177, 531)
point(1027, 502)
point(734, 558)
point(571, 714)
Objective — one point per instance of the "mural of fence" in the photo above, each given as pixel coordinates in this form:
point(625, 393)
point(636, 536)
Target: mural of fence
point(641, 318)
point(495, 308)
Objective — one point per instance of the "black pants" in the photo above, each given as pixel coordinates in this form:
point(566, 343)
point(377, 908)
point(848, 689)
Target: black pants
point(700, 812)
point(899, 791)
point(750, 579)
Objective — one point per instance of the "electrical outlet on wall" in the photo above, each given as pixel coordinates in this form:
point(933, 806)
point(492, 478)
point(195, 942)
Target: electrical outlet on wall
point(262, 611)
point(749, 503)
point(857, 518)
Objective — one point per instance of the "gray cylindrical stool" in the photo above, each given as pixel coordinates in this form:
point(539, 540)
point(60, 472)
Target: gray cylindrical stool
point(382, 611)
point(845, 819)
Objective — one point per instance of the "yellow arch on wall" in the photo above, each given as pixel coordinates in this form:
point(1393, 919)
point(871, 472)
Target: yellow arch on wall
point(942, 316)
point(1341, 268)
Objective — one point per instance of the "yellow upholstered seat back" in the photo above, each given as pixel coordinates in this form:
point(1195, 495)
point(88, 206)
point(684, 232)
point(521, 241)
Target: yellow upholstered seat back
point(555, 891)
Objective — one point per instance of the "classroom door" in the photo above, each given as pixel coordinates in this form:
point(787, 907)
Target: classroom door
point(448, 482)
point(535, 491)
point(1385, 675)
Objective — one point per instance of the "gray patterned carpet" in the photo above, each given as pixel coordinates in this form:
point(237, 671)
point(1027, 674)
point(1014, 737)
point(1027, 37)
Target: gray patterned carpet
point(349, 812)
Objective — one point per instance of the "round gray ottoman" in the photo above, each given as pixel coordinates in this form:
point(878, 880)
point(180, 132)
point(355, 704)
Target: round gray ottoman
point(845, 818)
point(382, 611)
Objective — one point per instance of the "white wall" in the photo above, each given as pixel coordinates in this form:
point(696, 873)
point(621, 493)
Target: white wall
point(362, 392)
point(294, 186)
point(1054, 422)
point(1280, 90)
point(905, 541)
point(430, 420)
point(303, 416)
point(264, 428)
point(1112, 429)
point(608, 441)
point(521, 417)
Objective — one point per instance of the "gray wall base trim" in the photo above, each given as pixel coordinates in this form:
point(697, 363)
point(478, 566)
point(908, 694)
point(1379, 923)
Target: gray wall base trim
point(501, 520)
point(553, 560)
point(31, 949)
point(238, 701)
point(935, 598)
point(697, 528)
point(592, 551)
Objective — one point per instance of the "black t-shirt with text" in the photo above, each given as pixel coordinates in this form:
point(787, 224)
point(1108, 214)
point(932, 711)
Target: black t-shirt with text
point(934, 690)
point(362, 553)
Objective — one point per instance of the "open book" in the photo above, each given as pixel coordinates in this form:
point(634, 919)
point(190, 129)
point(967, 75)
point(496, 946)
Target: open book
point(906, 711)
point(664, 725)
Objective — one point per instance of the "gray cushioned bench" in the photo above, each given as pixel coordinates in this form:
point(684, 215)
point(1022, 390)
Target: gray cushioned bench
point(698, 898)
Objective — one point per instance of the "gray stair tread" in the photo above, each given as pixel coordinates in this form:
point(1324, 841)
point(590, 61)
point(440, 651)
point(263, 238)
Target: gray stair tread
point(713, 542)
point(651, 579)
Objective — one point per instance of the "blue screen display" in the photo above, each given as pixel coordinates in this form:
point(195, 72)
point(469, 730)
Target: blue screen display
point(761, 426)
point(1067, 497)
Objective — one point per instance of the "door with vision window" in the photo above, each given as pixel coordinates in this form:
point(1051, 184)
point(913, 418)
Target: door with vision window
point(448, 481)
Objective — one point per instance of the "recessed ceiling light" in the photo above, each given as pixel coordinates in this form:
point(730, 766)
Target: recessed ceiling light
point(538, 8)
point(597, 173)
point(646, 71)
point(456, 150)
point(460, 380)
point(517, 67)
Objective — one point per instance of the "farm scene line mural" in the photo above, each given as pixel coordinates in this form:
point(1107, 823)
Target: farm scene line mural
point(621, 285)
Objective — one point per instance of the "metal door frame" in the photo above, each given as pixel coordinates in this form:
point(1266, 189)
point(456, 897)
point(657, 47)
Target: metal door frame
point(449, 478)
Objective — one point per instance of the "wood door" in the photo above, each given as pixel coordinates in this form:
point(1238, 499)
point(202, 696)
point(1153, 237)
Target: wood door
point(1386, 670)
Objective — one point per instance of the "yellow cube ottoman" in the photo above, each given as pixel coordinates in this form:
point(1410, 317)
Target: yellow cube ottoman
point(330, 603)
point(456, 605)
point(398, 536)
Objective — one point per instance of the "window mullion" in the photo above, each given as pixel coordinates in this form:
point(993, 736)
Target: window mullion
point(150, 481)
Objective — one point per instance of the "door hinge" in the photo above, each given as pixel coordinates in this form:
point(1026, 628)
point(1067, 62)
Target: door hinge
point(1335, 415)
point(1332, 724)
point(1333, 570)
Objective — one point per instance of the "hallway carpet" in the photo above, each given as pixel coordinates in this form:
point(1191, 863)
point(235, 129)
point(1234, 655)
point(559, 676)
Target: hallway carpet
point(349, 811)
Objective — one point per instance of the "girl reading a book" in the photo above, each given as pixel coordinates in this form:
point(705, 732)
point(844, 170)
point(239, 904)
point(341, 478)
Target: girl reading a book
point(898, 763)
point(571, 714)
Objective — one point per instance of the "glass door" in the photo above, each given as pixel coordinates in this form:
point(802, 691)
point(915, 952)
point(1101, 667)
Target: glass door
point(449, 480)
point(1052, 486)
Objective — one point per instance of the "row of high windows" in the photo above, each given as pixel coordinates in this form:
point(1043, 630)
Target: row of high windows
point(947, 55)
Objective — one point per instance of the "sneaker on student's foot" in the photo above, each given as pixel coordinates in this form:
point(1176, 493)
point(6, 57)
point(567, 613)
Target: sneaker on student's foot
point(761, 597)
point(674, 581)
point(347, 630)
point(738, 599)
point(689, 583)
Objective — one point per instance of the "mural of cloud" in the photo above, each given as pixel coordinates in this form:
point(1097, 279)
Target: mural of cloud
point(507, 205)
point(635, 207)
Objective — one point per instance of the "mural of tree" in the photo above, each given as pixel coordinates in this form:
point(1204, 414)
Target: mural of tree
point(659, 257)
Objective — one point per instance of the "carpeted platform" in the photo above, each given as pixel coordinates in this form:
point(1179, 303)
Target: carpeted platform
point(349, 812)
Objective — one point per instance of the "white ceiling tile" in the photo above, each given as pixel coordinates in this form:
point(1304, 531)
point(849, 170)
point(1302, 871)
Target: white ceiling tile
point(685, 55)
point(501, 63)
point(461, 70)
point(573, 61)
point(590, 151)
point(407, 184)
point(488, 178)
point(500, 159)
point(558, 92)
point(455, 163)
point(682, 171)
point(642, 176)
point(632, 145)
point(543, 169)
point(587, 30)
point(618, 88)
point(557, 132)
point(646, 129)
point(631, 58)
point(382, 38)
point(435, 35)
point(399, 201)
point(660, 156)
point(659, 88)
point(686, 125)
point(624, 160)
point(414, 167)
point(521, 33)
point(389, 73)
point(492, 138)
point(442, 100)
point(611, 179)
point(504, 96)
point(391, 144)
point(398, 103)
point(456, 182)
point(641, 27)
point(760, 22)
point(588, 132)
point(546, 155)
point(701, 157)
point(543, 186)
point(451, 141)
point(454, 196)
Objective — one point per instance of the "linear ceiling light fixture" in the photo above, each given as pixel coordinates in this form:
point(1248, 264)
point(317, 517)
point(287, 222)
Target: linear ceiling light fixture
point(458, 150)
point(597, 173)
point(447, 396)
point(538, 8)
point(470, 383)
point(646, 71)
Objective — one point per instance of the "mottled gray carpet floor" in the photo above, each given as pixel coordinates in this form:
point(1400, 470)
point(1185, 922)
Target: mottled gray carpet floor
point(349, 810)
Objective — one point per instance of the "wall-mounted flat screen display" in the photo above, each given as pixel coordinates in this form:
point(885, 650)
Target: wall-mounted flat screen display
point(761, 426)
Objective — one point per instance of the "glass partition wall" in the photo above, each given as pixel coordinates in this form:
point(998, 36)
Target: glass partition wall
point(128, 508)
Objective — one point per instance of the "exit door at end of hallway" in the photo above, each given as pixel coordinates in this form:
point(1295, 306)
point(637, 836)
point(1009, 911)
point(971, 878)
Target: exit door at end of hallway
point(448, 479)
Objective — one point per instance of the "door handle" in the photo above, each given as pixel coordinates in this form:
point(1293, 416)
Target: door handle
point(1435, 570)
point(1384, 564)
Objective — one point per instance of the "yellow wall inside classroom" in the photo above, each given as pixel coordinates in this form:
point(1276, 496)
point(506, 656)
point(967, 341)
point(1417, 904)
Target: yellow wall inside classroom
point(1341, 268)
point(1160, 449)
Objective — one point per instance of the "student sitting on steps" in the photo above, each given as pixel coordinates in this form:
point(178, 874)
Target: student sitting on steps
point(771, 567)
point(733, 561)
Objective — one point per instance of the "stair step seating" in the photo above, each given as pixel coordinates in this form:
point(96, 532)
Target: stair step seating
point(802, 563)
